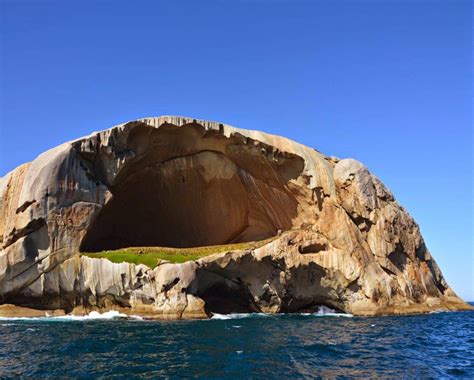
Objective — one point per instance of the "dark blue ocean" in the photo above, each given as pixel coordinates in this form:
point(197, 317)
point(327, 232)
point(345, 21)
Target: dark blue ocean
point(438, 345)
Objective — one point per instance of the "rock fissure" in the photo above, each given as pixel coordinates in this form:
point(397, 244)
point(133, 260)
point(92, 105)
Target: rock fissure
point(16, 234)
point(25, 205)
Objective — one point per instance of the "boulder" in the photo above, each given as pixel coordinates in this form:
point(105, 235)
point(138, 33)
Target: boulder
point(338, 236)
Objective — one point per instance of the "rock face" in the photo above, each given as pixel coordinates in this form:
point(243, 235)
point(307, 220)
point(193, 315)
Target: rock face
point(341, 239)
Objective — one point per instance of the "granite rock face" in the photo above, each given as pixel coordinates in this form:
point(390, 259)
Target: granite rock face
point(341, 239)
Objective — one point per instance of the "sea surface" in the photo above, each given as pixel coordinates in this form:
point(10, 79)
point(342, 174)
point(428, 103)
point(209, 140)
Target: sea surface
point(436, 345)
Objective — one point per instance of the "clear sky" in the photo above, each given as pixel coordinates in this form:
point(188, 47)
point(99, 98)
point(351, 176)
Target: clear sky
point(386, 82)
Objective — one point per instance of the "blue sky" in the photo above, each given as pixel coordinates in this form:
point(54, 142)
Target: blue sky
point(386, 82)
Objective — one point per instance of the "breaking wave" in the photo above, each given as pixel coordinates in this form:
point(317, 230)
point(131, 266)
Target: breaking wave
point(113, 314)
point(323, 311)
point(239, 315)
point(93, 315)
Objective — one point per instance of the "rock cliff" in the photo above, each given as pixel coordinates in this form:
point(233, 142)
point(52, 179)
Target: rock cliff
point(340, 238)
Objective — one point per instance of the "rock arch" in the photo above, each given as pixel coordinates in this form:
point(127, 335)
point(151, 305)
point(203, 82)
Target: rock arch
point(186, 187)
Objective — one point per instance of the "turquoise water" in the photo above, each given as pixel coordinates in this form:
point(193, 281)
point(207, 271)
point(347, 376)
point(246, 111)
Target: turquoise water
point(439, 345)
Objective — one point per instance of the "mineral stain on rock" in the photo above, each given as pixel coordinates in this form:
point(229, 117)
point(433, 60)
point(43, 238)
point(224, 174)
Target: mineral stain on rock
point(336, 235)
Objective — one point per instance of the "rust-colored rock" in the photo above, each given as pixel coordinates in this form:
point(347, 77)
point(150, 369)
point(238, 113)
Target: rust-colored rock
point(341, 239)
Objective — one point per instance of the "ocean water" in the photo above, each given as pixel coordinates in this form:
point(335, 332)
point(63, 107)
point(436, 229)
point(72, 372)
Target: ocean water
point(437, 345)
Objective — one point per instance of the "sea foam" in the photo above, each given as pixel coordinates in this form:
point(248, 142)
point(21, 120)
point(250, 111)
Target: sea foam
point(239, 315)
point(323, 311)
point(93, 315)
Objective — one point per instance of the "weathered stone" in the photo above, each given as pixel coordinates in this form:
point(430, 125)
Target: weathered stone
point(340, 238)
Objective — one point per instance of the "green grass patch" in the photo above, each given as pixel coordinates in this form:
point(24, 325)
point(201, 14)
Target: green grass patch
point(151, 256)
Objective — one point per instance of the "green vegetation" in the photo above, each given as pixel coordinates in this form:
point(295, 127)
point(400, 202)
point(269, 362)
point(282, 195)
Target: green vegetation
point(151, 256)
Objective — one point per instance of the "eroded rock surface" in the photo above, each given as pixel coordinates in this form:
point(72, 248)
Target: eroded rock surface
point(341, 239)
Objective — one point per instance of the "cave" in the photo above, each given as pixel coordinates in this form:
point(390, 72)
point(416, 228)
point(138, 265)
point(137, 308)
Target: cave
point(224, 299)
point(187, 187)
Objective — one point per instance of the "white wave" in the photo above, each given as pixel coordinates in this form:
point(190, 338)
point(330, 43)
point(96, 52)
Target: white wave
point(238, 315)
point(93, 315)
point(113, 314)
point(437, 311)
point(324, 311)
point(318, 314)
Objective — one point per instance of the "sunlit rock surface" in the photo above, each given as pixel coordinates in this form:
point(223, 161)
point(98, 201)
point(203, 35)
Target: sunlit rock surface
point(341, 239)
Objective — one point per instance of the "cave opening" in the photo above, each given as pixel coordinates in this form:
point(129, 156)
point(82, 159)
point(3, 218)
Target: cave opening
point(223, 299)
point(188, 189)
